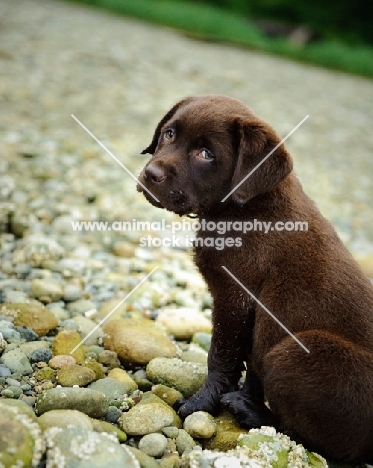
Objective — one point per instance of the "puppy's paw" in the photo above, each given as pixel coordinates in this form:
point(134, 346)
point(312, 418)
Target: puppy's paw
point(248, 412)
point(203, 401)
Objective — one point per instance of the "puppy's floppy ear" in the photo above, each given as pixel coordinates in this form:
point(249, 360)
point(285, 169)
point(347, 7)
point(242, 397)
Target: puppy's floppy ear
point(153, 145)
point(255, 140)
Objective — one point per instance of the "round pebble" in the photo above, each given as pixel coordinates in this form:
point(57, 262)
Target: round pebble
point(33, 315)
point(200, 425)
point(72, 292)
point(66, 341)
point(137, 341)
point(74, 374)
point(146, 418)
point(57, 362)
point(153, 445)
point(111, 388)
point(44, 288)
point(113, 414)
point(187, 377)
point(109, 358)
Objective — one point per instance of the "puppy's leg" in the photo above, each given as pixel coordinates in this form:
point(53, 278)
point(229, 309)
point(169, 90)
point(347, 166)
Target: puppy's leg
point(323, 399)
point(247, 405)
point(229, 346)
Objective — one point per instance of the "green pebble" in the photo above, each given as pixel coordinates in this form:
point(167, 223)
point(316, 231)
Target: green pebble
point(46, 373)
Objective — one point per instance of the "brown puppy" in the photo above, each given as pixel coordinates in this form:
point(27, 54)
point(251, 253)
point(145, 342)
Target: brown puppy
point(202, 148)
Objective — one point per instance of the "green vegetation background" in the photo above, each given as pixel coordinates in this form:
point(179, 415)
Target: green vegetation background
point(343, 28)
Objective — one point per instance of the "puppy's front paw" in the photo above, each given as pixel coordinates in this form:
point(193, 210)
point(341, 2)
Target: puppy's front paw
point(203, 401)
point(248, 412)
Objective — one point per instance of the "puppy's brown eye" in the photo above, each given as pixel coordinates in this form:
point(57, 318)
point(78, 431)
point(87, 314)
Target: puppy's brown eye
point(169, 134)
point(205, 154)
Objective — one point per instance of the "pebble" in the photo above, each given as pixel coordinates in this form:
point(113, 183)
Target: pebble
point(186, 377)
point(153, 445)
point(109, 358)
point(111, 388)
point(142, 382)
point(95, 366)
point(4, 371)
point(40, 355)
point(86, 327)
point(65, 341)
point(145, 460)
point(3, 343)
point(72, 292)
point(17, 362)
point(64, 418)
point(38, 250)
point(46, 373)
point(170, 432)
point(146, 418)
point(184, 442)
point(113, 414)
point(16, 390)
point(57, 362)
point(183, 322)
point(203, 340)
point(11, 334)
point(74, 374)
point(167, 394)
point(194, 354)
point(46, 290)
point(81, 307)
point(200, 425)
point(22, 443)
point(27, 333)
point(32, 315)
point(29, 347)
point(122, 376)
point(11, 381)
point(87, 401)
point(137, 341)
point(87, 449)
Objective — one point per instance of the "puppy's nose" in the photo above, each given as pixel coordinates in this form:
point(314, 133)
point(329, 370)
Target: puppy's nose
point(155, 173)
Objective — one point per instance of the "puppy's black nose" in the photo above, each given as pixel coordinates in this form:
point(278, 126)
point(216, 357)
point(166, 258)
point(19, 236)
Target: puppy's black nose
point(155, 173)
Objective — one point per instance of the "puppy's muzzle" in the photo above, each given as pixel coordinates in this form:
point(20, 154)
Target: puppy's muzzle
point(154, 174)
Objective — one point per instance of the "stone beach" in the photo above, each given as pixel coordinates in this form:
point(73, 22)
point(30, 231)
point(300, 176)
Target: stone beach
point(108, 401)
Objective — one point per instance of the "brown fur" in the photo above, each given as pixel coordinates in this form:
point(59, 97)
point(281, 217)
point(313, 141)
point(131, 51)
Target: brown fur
point(308, 280)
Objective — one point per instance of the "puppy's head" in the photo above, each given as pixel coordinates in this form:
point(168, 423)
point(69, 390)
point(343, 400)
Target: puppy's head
point(203, 148)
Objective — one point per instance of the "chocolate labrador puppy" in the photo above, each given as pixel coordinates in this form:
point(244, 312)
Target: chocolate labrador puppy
point(317, 374)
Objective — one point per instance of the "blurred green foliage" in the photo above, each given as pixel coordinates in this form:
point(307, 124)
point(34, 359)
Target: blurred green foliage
point(214, 21)
point(350, 20)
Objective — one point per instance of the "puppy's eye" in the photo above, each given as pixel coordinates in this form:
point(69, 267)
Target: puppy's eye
point(169, 134)
point(205, 154)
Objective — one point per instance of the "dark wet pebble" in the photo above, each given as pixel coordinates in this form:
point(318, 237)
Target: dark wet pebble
point(41, 355)
point(113, 414)
point(27, 333)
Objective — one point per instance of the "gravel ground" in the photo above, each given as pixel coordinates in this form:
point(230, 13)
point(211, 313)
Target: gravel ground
point(119, 77)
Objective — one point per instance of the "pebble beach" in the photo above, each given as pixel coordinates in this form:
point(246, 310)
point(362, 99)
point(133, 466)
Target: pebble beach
point(100, 335)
